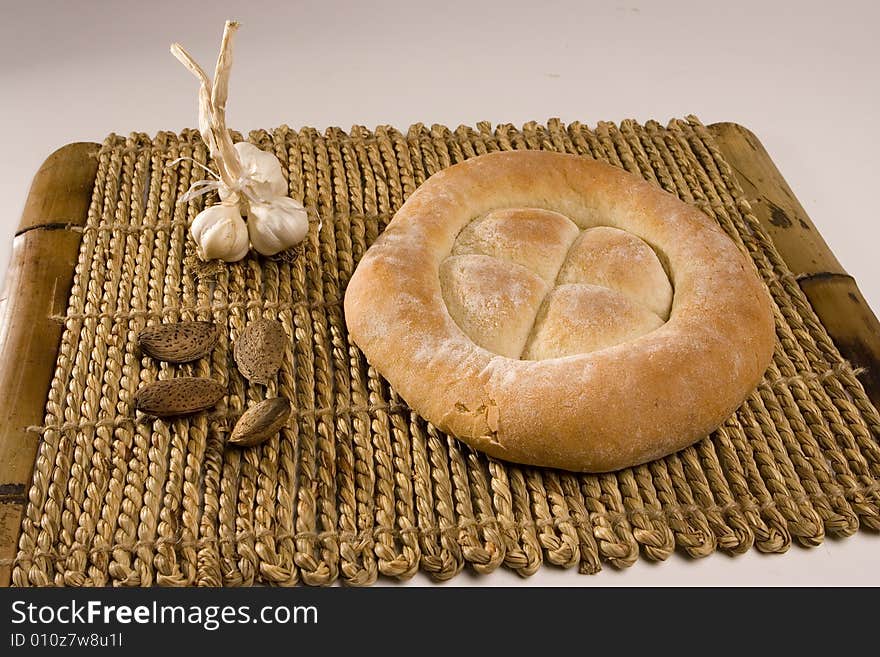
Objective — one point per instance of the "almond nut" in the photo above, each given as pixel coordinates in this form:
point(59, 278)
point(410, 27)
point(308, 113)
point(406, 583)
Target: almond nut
point(260, 349)
point(181, 342)
point(180, 396)
point(260, 422)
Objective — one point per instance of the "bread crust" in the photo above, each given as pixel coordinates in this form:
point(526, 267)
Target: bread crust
point(599, 411)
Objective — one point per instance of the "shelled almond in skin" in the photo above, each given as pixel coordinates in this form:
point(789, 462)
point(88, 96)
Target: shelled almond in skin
point(260, 350)
point(258, 354)
point(179, 396)
point(260, 422)
point(180, 342)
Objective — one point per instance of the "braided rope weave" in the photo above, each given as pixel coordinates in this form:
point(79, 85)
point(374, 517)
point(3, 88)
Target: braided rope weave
point(358, 485)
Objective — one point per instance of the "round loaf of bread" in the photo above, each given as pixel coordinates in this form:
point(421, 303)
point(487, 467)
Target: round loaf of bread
point(553, 310)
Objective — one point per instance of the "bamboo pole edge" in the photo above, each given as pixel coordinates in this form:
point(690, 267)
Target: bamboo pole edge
point(774, 203)
point(36, 284)
point(61, 189)
point(832, 292)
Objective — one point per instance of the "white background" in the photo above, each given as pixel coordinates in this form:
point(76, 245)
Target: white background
point(802, 75)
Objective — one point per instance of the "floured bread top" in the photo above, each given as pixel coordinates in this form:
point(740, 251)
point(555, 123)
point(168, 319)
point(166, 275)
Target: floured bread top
point(529, 284)
point(557, 311)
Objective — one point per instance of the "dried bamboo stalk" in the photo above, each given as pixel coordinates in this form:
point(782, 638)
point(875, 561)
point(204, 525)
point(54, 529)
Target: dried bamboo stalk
point(832, 292)
point(36, 287)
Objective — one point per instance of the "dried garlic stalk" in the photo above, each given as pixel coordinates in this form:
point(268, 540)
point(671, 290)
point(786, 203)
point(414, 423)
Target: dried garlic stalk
point(248, 179)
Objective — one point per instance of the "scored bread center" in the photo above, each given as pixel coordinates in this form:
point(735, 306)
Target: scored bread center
point(527, 283)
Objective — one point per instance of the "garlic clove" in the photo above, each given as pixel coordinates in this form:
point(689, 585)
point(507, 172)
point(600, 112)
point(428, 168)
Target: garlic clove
point(261, 171)
point(262, 166)
point(220, 233)
point(277, 225)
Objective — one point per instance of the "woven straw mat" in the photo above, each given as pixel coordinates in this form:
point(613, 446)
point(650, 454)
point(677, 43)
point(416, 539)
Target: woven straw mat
point(357, 485)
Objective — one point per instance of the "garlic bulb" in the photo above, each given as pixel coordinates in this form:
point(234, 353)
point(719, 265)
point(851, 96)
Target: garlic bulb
point(220, 233)
point(248, 180)
point(260, 172)
point(277, 225)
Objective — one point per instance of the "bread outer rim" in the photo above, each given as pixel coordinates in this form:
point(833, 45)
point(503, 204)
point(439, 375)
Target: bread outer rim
point(594, 412)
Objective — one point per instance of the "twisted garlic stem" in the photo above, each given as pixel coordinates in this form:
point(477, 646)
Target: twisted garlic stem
point(212, 105)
